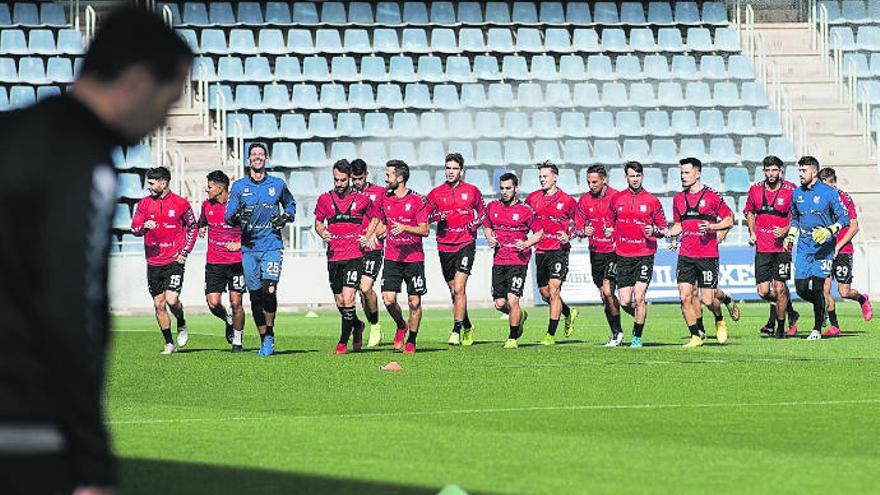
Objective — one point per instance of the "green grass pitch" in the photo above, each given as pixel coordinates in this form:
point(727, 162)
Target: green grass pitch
point(755, 416)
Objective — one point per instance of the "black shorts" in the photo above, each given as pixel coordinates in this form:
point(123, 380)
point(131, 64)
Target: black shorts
point(603, 267)
point(372, 264)
point(396, 272)
point(220, 277)
point(460, 261)
point(508, 279)
point(346, 273)
point(702, 272)
point(164, 278)
point(842, 267)
point(551, 265)
point(772, 266)
point(632, 269)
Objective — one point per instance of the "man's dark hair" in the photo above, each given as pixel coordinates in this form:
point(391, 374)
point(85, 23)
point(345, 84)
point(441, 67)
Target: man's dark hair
point(548, 164)
point(808, 161)
point(261, 146)
point(158, 173)
point(342, 166)
point(509, 176)
point(632, 165)
point(135, 37)
point(454, 157)
point(218, 177)
point(401, 169)
point(694, 162)
point(828, 173)
point(598, 169)
point(358, 167)
point(772, 161)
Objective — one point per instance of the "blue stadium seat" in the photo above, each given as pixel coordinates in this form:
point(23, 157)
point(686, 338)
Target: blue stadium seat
point(59, 70)
point(528, 40)
point(47, 91)
point(546, 149)
point(373, 69)
point(614, 40)
point(415, 13)
point(188, 35)
point(669, 95)
point(417, 96)
point(474, 96)
point(42, 42)
point(712, 67)
point(479, 177)
point(687, 13)
point(129, 186)
point(431, 154)
point(556, 40)
point(517, 153)
point(302, 182)
point(657, 123)
point(25, 14)
point(605, 13)
point(32, 71)
point(360, 97)
point(52, 14)
point(736, 179)
point(629, 68)
point(616, 179)
point(513, 67)
point(419, 181)
point(117, 155)
point(854, 11)
point(257, 69)
point(699, 40)
point(213, 42)
point(401, 69)
point(601, 124)
point(859, 61)
point(305, 96)
point(265, 126)
point(516, 125)
point(389, 96)
point(321, 125)
point(430, 68)
point(726, 95)
point(276, 97)
point(344, 69)
point(471, 40)
point(692, 147)
point(767, 122)
point(544, 68)
point(277, 13)
point(333, 14)
point(131, 244)
point(470, 13)
point(636, 149)
point(249, 14)
point(754, 94)
point(500, 40)
point(781, 147)
point(669, 40)
point(585, 40)
point(463, 147)
point(461, 125)
point(415, 41)
point(629, 124)
point(220, 14)
point(551, 14)
point(357, 41)
point(328, 41)
point(632, 13)
point(712, 122)
point(348, 124)
point(753, 149)
point(868, 38)
point(578, 14)
point(544, 125)
point(606, 152)
point(305, 13)
point(195, 14)
point(376, 125)
point(524, 13)
point(571, 68)
point(374, 152)
point(70, 42)
point(656, 68)
point(698, 95)
point(333, 97)
point(5, 17)
point(388, 14)
point(873, 11)
point(599, 68)
point(642, 95)
point(673, 183)
point(488, 125)
point(576, 152)
point(247, 97)
point(139, 156)
point(714, 13)
point(529, 95)
point(287, 69)
point(226, 91)
point(573, 124)
point(313, 155)
point(299, 41)
point(723, 151)
point(497, 13)
point(500, 95)
point(664, 152)
point(486, 68)
point(443, 41)
point(458, 69)
point(726, 40)
point(642, 40)
point(568, 181)
point(361, 13)
point(293, 126)
point(711, 177)
point(442, 13)
point(660, 14)
point(740, 67)
point(684, 123)
point(739, 122)
point(653, 180)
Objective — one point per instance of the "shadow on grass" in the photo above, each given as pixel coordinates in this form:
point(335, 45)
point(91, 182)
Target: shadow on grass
point(147, 476)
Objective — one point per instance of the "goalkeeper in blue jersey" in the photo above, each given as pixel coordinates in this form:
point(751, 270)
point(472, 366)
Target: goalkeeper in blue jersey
point(262, 205)
point(817, 214)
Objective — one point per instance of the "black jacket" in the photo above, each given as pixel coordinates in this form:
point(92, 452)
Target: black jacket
point(57, 195)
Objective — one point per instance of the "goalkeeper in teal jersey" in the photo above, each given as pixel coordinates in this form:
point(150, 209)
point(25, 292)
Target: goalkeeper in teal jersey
point(817, 214)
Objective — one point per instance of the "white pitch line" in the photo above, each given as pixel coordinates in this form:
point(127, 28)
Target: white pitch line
point(596, 407)
point(138, 330)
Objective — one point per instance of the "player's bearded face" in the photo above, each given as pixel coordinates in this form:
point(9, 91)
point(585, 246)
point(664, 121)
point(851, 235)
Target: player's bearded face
point(771, 175)
point(391, 180)
point(340, 182)
point(359, 181)
point(156, 187)
point(807, 174)
point(508, 191)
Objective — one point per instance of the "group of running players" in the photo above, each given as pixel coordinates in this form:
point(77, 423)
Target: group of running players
point(370, 229)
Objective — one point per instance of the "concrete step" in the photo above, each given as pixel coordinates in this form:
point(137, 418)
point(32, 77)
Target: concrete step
point(786, 38)
point(185, 124)
point(850, 152)
point(829, 121)
point(815, 95)
point(800, 68)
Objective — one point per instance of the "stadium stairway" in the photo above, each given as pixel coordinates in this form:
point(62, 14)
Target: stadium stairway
point(832, 129)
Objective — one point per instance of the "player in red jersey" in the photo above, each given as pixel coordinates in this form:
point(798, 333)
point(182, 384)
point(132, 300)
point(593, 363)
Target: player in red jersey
point(457, 207)
point(768, 214)
point(168, 226)
point(556, 210)
point(590, 221)
point(340, 218)
point(635, 220)
point(405, 216)
point(699, 212)
point(372, 242)
point(842, 267)
point(223, 270)
point(506, 225)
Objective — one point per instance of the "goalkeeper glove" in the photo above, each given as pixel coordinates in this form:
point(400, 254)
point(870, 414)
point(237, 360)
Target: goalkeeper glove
point(279, 221)
point(242, 215)
point(822, 234)
point(790, 238)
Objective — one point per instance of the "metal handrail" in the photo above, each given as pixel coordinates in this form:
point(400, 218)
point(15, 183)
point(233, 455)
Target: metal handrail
point(204, 97)
point(866, 122)
point(167, 16)
point(852, 80)
point(220, 122)
point(91, 18)
point(73, 6)
point(801, 134)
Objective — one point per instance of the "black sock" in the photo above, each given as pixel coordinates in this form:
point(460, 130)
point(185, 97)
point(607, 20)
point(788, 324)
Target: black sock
point(638, 328)
point(348, 319)
point(862, 299)
point(780, 326)
point(262, 337)
point(616, 328)
point(832, 316)
point(551, 327)
point(789, 308)
point(411, 338)
point(181, 322)
point(373, 317)
point(610, 319)
point(694, 330)
point(726, 299)
point(397, 317)
point(166, 332)
point(566, 311)
point(270, 330)
point(719, 316)
point(467, 321)
point(772, 317)
point(456, 327)
point(514, 332)
point(699, 325)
